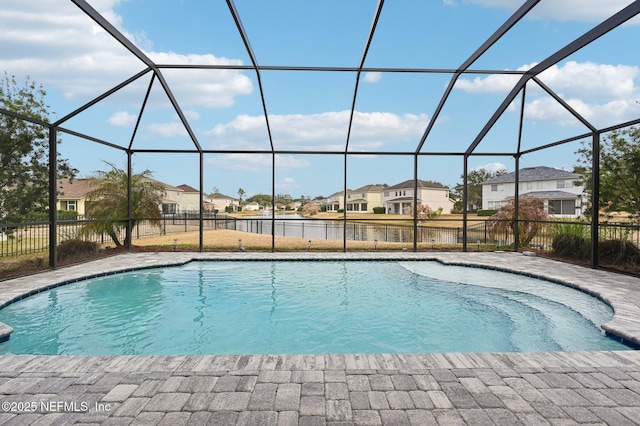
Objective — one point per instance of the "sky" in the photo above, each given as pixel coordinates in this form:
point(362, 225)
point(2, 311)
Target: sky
point(55, 44)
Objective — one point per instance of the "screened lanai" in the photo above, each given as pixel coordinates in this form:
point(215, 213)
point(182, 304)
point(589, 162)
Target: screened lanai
point(278, 97)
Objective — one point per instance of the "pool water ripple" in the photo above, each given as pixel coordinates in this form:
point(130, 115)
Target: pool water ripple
point(227, 307)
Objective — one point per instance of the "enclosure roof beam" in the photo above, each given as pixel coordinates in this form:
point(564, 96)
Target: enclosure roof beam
point(372, 31)
point(598, 31)
point(91, 138)
point(504, 28)
point(102, 96)
point(254, 62)
point(24, 117)
point(115, 33)
point(564, 103)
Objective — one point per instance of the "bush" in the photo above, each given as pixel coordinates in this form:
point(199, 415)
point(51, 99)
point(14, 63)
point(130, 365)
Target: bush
point(618, 252)
point(571, 245)
point(228, 209)
point(489, 212)
point(77, 249)
point(379, 210)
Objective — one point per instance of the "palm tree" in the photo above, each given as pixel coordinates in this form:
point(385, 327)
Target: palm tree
point(241, 194)
point(108, 201)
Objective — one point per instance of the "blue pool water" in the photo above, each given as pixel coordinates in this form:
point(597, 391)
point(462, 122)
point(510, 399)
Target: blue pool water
point(307, 307)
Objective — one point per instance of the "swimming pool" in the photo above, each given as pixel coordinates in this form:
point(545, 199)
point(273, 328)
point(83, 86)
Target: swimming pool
point(229, 307)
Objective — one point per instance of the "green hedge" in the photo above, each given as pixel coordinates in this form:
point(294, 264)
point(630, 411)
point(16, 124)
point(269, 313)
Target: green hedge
point(488, 212)
point(379, 210)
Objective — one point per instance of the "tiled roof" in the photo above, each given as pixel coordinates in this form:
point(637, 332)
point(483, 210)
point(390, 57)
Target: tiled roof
point(368, 188)
point(187, 188)
point(421, 184)
point(549, 194)
point(74, 189)
point(534, 174)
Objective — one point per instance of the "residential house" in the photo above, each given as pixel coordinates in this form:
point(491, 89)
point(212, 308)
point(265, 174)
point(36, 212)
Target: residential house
point(172, 200)
point(73, 195)
point(398, 199)
point(560, 190)
point(221, 203)
point(190, 199)
point(253, 206)
point(364, 199)
point(335, 201)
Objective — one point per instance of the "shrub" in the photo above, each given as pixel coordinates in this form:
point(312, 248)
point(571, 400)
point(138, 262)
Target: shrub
point(531, 214)
point(571, 245)
point(228, 209)
point(489, 212)
point(311, 209)
point(379, 210)
point(77, 248)
point(618, 252)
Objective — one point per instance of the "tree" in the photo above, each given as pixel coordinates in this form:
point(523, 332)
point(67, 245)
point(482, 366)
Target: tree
point(619, 171)
point(311, 209)
point(530, 214)
point(262, 199)
point(475, 178)
point(24, 152)
point(241, 194)
point(425, 212)
point(109, 201)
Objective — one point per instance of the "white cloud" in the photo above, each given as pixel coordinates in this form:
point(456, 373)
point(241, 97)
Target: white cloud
point(491, 167)
point(122, 119)
point(325, 131)
point(600, 115)
point(166, 130)
point(372, 77)
point(592, 81)
point(565, 10)
point(601, 93)
point(256, 162)
point(287, 184)
point(59, 46)
point(586, 79)
point(192, 115)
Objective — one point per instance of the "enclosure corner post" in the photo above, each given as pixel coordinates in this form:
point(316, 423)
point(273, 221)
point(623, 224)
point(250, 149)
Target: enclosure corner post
point(53, 197)
point(129, 231)
point(201, 203)
point(595, 197)
point(465, 218)
point(415, 202)
point(516, 206)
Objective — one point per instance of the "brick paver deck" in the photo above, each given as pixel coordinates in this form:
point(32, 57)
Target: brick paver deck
point(561, 388)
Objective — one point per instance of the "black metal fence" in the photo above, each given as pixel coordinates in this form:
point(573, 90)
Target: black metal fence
point(33, 237)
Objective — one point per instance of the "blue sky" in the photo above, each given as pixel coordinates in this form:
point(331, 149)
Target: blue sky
point(58, 46)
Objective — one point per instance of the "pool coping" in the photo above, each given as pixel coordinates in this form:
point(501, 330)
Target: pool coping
point(621, 292)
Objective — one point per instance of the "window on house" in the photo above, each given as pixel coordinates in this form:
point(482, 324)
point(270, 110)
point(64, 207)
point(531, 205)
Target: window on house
point(497, 188)
point(562, 207)
point(386, 193)
point(529, 185)
point(560, 184)
point(363, 207)
point(71, 205)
